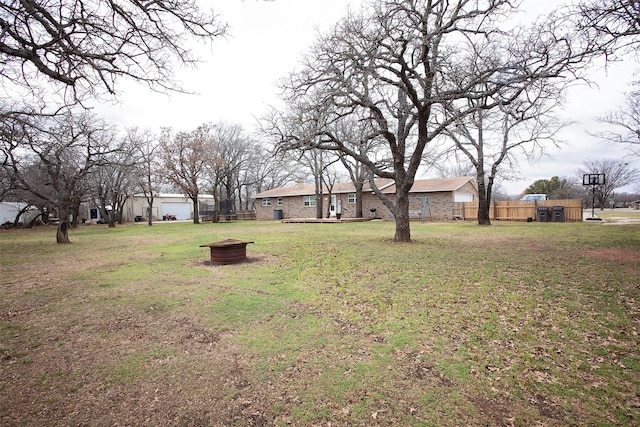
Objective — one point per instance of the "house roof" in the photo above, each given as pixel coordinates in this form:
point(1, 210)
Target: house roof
point(434, 185)
point(175, 196)
point(387, 186)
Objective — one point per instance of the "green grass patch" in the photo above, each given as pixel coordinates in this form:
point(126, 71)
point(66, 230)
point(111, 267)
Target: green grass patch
point(517, 323)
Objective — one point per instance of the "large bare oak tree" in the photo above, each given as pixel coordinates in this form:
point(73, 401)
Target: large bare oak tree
point(406, 65)
point(58, 53)
point(53, 161)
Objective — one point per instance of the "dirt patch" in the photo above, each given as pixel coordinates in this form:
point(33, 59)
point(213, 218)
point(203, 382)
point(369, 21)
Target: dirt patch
point(495, 410)
point(251, 259)
point(125, 368)
point(614, 254)
point(547, 408)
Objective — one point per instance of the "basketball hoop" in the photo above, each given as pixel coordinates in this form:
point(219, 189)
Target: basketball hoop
point(593, 179)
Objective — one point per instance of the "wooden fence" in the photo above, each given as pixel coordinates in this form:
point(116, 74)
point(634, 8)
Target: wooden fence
point(246, 215)
point(238, 215)
point(518, 210)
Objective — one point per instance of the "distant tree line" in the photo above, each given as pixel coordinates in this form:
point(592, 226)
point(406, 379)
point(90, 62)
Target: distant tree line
point(618, 173)
point(58, 163)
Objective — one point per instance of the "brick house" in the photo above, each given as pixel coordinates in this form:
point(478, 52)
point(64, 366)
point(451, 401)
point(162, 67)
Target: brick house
point(430, 199)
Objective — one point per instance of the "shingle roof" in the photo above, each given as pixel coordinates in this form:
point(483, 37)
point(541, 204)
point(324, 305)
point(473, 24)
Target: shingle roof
point(386, 185)
point(434, 185)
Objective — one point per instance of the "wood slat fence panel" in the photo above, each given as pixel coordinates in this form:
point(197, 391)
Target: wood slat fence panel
point(246, 215)
point(518, 210)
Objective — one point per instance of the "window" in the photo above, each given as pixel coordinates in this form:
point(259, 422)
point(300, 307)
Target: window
point(351, 198)
point(280, 201)
point(309, 200)
point(266, 201)
point(462, 197)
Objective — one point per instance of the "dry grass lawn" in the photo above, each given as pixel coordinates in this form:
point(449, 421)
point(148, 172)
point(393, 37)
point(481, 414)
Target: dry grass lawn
point(326, 324)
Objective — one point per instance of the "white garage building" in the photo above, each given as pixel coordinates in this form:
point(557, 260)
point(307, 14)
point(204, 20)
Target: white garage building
point(167, 204)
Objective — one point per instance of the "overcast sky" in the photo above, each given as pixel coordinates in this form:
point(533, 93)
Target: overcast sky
point(236, 83)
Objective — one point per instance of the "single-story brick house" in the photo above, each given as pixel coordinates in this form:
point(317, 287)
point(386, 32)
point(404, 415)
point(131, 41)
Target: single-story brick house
point(430, 199)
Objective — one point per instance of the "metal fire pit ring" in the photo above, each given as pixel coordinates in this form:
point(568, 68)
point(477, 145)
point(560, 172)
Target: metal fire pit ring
point(228, 251)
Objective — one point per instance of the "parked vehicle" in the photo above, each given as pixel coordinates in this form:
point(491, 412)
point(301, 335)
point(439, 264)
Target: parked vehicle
point(531, 197)
point(168, 217)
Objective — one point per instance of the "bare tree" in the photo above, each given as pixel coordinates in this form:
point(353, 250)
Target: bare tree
point(245, 179)
point(611, 25)
point(329, 178)
point(85, 45)
point(618, 173)
point(57, 53)
point(115, 180)
point(493, 139)
point(354, 133)
point(229, 156)
point(358, 173)
point(626, 122)
point(297, 133)
point(271, 169)
point(15, 166)
point(614, 26)
point(13, 191)
point(459, 167)
point(52, 159)
point(404, 64)
point(318, 163)
point(185, 157)
point(147, 167)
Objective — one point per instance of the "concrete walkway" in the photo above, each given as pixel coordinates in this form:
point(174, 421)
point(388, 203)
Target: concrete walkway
point(613, 216)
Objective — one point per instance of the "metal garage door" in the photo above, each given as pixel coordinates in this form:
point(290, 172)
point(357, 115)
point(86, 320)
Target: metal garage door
point(180, 210)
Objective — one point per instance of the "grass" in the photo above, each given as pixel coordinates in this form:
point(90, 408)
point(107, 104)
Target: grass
point(513, 324)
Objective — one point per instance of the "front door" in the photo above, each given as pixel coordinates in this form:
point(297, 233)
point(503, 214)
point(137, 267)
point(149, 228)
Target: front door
point(332, 206)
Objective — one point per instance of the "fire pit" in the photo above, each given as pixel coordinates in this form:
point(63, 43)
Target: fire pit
point(228, 251)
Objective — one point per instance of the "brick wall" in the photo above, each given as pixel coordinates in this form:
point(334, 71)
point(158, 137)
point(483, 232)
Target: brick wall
point(293, 207)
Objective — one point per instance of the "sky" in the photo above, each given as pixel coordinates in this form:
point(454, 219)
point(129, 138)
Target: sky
point(236, 83)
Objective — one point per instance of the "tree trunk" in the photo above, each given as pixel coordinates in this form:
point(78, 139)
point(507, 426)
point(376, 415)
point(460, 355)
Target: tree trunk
point(359, 200)
point(484, 200)
point(319, 205)
point(216, 205)
point(483, 211)
point(16, 221)
point(484, 205)
point(150, 214)
point(318, 194)
point(229, 187)
point(75, 218)
point(62, 235)
point(240, 202)
point(111, 217)
point(196, 216)
point(120, 210)
point(403, 231)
